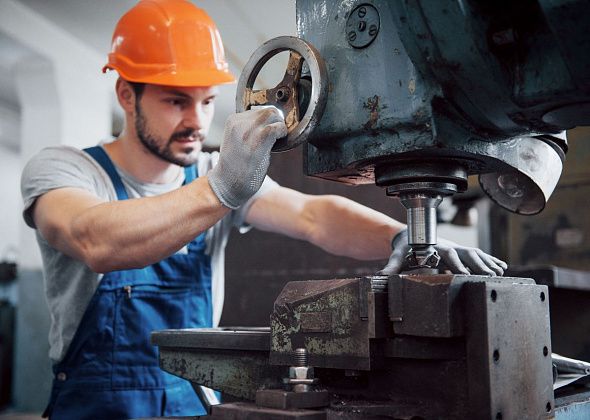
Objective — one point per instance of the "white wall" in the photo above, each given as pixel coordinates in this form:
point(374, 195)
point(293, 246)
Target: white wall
point(10, 168)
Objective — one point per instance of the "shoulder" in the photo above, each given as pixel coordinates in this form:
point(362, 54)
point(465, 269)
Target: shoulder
point(57, 157)
point(61, 163)
point(60, 167)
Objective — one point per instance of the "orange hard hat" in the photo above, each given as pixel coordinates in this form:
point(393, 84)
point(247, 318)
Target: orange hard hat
point(168, 42)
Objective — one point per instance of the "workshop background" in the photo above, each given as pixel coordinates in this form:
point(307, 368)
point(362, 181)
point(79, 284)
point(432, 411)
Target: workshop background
point(52, 92)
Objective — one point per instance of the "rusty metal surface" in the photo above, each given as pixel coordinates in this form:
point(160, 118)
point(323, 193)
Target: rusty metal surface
point(233, 361)
point(325, 318)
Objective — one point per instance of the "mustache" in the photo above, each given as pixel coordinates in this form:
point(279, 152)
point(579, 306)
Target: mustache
point(189, 132)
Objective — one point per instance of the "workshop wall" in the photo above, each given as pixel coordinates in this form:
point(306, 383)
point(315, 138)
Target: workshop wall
point(61, 99)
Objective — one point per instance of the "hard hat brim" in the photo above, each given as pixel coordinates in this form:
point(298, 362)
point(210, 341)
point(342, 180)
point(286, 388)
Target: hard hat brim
point(185, 79)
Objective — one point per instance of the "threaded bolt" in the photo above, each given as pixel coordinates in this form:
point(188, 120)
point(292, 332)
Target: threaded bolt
point(301, 357)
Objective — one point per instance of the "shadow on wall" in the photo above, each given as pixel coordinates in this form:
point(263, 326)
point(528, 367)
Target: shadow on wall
point(259, 264)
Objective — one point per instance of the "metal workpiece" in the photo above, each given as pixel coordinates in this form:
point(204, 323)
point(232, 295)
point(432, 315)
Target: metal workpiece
point(301, 100)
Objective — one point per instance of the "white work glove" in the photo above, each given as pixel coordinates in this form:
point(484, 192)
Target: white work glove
point(244, 157)
point(457, 258)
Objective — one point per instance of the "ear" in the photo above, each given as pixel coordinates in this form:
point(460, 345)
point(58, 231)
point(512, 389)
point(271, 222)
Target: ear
point(125, 96)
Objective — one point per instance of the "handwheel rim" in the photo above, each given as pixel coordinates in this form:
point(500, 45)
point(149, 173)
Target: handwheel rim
point(319, 85)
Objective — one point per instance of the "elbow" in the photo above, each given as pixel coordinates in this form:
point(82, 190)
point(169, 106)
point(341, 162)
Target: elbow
point(102, 261)
point(96, 253)
point(95, 258)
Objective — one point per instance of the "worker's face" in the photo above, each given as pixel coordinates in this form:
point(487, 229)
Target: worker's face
point(172, 122)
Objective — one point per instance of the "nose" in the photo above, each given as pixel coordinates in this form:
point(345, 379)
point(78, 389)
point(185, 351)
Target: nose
point(194, 117)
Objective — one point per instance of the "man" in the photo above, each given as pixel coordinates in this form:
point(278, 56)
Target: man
point(132, 232)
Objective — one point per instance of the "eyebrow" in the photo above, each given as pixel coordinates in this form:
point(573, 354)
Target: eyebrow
point(180, 93)
point(177, 93)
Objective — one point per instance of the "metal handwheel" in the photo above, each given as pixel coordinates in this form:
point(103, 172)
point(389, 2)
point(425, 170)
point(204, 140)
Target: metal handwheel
point(294, 95)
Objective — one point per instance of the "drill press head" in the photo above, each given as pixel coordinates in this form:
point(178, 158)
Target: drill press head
point(417, 96)
point(427, 98)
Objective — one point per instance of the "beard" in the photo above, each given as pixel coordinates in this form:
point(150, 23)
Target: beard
point(163, 149)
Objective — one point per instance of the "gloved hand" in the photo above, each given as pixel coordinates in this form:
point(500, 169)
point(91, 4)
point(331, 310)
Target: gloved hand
point(457, 258)
point(245, 154)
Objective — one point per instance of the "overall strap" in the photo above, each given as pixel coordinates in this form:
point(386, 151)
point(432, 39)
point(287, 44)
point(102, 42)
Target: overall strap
point(104, 160)
point(189, 174)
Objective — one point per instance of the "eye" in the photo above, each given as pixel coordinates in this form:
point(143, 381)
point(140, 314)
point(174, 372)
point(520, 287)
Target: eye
point(176, 102)
point(209, 101)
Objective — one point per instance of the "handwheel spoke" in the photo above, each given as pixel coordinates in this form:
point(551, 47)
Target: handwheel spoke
point(257, 97)
point(293, 72)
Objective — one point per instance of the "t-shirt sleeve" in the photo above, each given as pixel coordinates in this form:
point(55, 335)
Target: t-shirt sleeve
point(239, 219)
point(58, 167)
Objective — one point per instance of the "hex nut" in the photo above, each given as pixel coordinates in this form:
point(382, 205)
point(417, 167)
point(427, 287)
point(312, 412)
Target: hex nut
point(301, 372)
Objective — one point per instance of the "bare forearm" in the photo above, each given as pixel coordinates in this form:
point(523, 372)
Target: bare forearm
point(138, 232)
point(344, 227)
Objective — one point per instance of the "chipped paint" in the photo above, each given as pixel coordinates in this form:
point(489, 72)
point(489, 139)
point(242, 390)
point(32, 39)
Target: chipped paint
point(412, 86)
point(372, 104)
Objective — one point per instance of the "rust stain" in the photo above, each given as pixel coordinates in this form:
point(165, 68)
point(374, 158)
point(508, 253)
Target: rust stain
point(412, 86)
point(372, 105)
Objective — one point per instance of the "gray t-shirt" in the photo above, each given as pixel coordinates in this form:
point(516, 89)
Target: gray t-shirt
point(69, 283)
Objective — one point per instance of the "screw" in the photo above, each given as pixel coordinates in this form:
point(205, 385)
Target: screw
point(373, 30)
point(351, 36)
point(362, 25)
point(301, 357)
point(362, 12)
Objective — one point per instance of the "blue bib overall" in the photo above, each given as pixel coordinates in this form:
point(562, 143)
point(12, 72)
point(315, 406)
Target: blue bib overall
point(111, 371)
